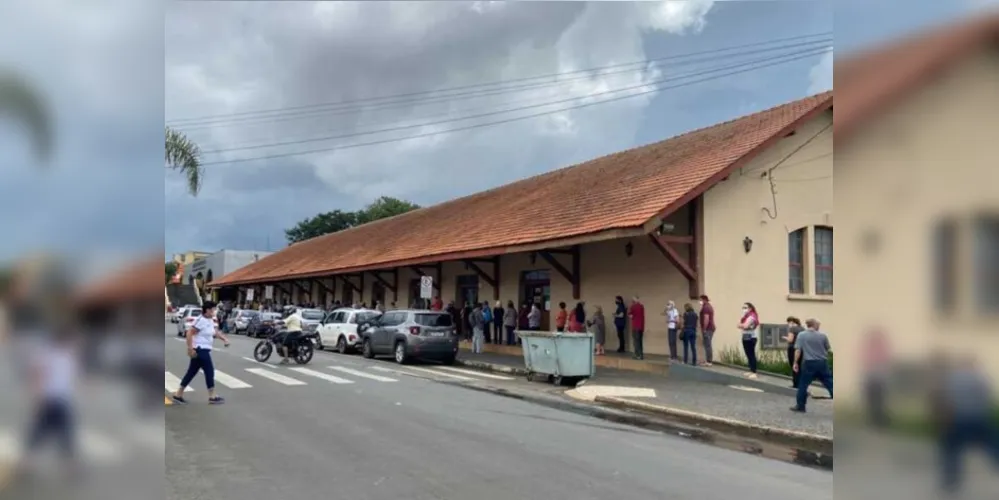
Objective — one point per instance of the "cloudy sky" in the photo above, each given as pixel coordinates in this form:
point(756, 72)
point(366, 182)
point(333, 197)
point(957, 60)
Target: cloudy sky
point(227, 59)
point(100, 65)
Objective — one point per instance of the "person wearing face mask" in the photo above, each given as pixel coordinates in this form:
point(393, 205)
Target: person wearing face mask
point(620, 321)
point(748, 324)
point(672, 318)
point(707, 316)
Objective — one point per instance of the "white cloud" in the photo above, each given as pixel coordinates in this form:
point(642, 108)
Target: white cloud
point(228, 57)
point(821, 75)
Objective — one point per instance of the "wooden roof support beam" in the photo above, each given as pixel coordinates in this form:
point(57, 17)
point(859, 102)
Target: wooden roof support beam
point(493, 280)
point(347, 279)
point(392, 286)
point(689, 267)
point(572, 276)
point(328, 289)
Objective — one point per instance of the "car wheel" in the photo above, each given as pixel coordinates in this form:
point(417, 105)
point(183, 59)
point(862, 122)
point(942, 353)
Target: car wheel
point(341, 345)
point(400, 353)
point(448, 361)
point(367, 350)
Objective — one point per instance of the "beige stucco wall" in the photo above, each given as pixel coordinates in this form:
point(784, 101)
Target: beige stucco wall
point(737, 208)
point(932, 155)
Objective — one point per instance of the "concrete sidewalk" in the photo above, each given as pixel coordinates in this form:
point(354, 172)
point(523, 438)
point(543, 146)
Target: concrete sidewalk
point(738, 405)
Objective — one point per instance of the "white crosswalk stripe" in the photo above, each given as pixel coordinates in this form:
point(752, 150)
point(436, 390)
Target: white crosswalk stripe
point(361, 374)
point(475, 373)
point(277, 377)
point(320, 375)
point(93, 446)
point(433, 372)
point(172, 383)
point(230, 381)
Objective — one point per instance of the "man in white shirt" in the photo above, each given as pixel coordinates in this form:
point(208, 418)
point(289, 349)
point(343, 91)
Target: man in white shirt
point(293, 329)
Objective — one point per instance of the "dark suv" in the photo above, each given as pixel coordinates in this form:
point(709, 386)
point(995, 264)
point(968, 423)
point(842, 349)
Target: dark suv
point(411, 334)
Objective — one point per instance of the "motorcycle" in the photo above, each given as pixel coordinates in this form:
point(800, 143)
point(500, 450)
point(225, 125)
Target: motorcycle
point(301, 351)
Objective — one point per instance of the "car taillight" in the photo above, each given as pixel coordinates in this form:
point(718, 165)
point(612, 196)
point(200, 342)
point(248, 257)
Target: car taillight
point(414, 330)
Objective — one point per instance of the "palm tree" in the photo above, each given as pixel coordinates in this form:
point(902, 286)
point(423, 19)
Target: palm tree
point(184, 155)
point(22, 101)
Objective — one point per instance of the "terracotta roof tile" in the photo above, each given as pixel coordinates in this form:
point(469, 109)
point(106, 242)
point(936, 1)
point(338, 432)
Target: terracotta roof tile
point(139, 282)
point(619, 191)
point(872, 79)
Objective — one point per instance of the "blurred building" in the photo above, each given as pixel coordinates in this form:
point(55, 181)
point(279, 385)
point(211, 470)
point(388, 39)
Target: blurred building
point(917, 197)
point(184, 262)
point(207, 267)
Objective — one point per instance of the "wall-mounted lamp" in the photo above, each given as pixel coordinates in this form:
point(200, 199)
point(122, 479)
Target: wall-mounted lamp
point(747, 244)
point(534, 258)
point(629, 249)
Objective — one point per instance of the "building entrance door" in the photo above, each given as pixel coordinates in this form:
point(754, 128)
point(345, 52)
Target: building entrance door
point(468, 291)
point(535, 288)
point(378, 295)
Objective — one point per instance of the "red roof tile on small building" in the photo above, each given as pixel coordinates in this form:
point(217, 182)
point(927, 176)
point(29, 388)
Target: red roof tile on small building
point(605, 197)
point(875, 79)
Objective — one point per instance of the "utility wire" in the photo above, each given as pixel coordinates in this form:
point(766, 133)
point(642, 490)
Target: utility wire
point(499, 122)
point(316, 113)
point(812, 51)
point(186, 122)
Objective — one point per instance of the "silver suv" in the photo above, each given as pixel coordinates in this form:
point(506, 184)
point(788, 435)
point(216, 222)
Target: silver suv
point(411, 334)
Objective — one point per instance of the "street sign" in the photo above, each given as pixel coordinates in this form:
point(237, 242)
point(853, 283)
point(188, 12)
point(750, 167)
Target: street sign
point(426, 287)
point(269, 292)
point(249, 295)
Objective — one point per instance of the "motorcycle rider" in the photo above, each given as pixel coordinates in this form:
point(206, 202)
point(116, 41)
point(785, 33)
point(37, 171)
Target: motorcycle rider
point(293, 332)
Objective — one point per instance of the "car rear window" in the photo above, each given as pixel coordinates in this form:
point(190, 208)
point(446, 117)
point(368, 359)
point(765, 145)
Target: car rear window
point(312, 315)
point(194, 312)
point(431, 320)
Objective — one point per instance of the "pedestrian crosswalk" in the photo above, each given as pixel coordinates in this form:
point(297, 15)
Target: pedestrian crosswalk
point(94, 445)
point(259, 374)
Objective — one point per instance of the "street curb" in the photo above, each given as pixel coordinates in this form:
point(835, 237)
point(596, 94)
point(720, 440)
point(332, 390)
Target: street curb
point(482, 365)
point(785, 436)
point(810, 455)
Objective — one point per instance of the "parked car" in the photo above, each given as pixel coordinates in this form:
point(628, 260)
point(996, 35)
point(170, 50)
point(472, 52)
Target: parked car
point(239, 322)
point(190, 314)
point(311, 319)
point(264, 324)
point(340, 326)
point(179, 313)
point(409, 334)
point(187, 319)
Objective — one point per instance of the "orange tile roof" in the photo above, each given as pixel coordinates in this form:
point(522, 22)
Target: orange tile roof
point(874, 79)
point(140, 281)
point(621, 191)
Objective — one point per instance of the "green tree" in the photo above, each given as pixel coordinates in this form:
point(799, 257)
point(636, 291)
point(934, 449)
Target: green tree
point(23, 102)
point(170, 268)
point(383, 208)
point(338, 220)
point(184, 155)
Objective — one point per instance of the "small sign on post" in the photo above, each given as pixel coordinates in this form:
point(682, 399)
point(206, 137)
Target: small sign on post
point(426, 287)
point(269, 292)
point(249, 295)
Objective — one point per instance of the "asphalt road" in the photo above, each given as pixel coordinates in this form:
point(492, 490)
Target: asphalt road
point(360, 429)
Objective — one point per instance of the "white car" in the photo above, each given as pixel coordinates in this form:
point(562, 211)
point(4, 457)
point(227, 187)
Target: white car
point(190, 314)
point(180, 313)
point(339, 328)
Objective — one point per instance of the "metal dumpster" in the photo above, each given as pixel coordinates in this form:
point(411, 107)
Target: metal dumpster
point(558, 356)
